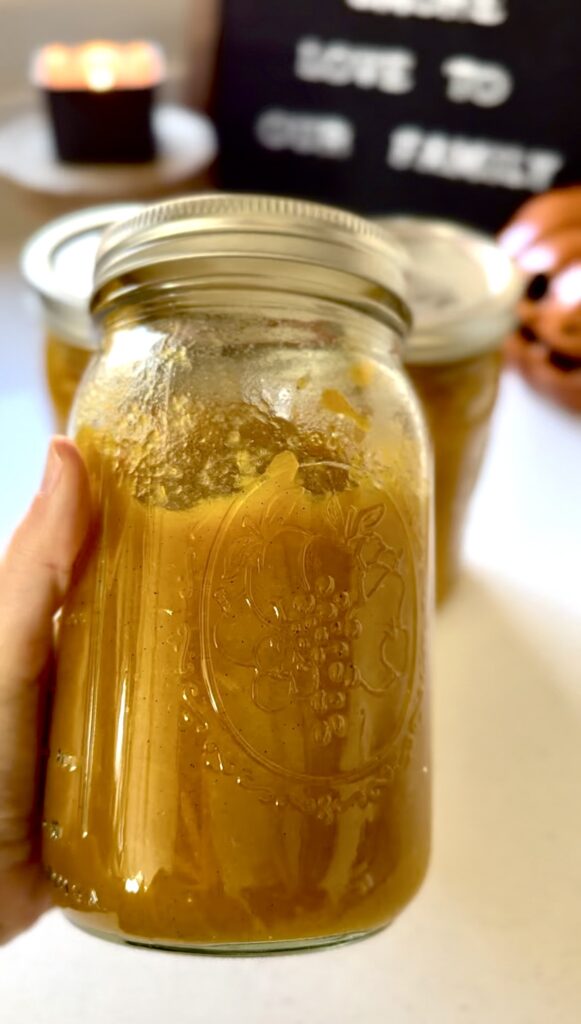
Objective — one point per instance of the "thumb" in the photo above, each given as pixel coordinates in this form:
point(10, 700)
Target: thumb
point(34, 578)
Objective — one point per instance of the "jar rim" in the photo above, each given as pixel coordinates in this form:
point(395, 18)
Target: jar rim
point(181, 235)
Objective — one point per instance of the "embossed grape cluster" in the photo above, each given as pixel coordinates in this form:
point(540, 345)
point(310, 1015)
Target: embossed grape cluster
point(324, 633)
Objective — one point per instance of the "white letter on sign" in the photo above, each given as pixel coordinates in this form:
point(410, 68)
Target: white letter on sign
point(324, 135)
point(478, 12)
point(474, 81)
point(489, 12)
point(338, 63)
point(404, 144)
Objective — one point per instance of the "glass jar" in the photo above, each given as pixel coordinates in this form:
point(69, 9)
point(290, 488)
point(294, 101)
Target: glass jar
point(463, 292)
point(239, 749)
point(58, 262)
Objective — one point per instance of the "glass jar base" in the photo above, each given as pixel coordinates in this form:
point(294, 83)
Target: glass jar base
point(233, 949)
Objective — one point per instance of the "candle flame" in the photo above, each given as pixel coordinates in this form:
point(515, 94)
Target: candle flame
point(98, 66)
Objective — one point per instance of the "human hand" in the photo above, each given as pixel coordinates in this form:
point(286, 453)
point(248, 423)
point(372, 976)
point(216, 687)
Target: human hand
point(34, 578)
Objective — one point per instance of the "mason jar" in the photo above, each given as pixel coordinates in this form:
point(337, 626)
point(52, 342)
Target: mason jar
point(57, 262)
point(463, 291)
point(239, 748)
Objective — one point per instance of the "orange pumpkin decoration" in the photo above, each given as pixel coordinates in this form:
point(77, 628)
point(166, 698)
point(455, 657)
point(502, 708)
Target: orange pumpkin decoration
point(544, 237)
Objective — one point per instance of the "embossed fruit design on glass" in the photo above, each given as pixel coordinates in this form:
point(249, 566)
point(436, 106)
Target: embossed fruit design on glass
point(239, 748)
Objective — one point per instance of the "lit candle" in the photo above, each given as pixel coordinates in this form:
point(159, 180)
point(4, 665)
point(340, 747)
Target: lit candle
point(100, 97)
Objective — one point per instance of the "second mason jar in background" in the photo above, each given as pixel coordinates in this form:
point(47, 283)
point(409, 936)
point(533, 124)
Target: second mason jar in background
point(239, 749)
point(463, 292)
point(58, 262)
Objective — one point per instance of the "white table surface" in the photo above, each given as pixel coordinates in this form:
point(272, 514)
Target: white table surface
point(495, 934)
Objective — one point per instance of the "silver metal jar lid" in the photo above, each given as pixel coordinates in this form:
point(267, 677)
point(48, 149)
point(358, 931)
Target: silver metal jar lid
point(462, 289)
point(58, 263)
point(252, 241)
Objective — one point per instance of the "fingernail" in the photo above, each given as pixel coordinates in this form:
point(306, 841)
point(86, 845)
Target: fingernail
point(52, 470)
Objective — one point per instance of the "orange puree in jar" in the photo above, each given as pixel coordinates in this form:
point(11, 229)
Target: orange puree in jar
point(463, 292)
point(242, 756)
point(65, 365)
point(458, 399)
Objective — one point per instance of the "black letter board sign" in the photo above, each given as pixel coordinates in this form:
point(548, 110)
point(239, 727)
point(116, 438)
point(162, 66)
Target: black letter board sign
point(454, 108)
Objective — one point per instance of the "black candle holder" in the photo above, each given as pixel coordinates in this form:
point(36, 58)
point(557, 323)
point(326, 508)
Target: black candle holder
point(100, 95)
point(115, 126)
